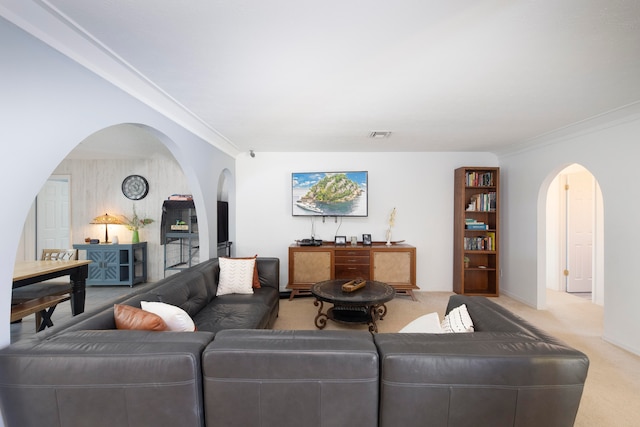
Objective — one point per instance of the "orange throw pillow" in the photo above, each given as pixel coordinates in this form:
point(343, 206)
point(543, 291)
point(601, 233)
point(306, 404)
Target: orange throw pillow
point(128, 317)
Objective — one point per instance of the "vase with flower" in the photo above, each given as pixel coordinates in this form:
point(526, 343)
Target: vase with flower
point(135, 223)
point(392, 221)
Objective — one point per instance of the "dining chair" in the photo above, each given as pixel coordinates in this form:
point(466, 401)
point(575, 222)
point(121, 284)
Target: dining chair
point(59, 254)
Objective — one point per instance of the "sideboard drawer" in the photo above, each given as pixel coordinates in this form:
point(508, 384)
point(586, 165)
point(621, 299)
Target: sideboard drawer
point(351, 260)
point(352, 252)
point(351, 271)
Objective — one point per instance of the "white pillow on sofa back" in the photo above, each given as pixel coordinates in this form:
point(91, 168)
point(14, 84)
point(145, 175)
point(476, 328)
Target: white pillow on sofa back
point(458, 320)
point(176, 318)
point(236, 276)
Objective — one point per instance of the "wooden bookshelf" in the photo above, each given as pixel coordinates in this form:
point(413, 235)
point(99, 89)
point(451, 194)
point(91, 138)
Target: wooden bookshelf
point(476, 231)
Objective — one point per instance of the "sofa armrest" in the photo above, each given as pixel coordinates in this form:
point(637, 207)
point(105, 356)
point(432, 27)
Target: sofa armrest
point(89, 377)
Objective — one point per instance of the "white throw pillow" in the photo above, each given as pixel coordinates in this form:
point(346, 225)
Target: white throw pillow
point(429, 324)
point(176, 318)
point(236, 276)
point(458, 320)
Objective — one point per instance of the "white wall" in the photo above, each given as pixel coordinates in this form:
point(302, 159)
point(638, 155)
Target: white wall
point(49, 105)
point(608, 147)
point(419, 185)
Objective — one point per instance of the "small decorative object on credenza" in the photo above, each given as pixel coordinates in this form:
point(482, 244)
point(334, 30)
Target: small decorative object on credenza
point(366, 239)
point(310, 242)
point(354, 285)
point(341, 240)
point(134, 224)
point(392, 221)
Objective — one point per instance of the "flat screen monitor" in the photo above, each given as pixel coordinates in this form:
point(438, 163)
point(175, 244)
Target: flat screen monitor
point(223, 222)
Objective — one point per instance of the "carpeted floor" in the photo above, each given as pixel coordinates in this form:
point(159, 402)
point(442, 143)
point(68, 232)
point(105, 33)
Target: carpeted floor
point(612, 390)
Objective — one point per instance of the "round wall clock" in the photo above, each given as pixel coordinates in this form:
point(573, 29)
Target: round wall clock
point(135, 187)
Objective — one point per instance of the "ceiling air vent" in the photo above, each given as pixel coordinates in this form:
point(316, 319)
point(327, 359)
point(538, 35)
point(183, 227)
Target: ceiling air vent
point(378, 134)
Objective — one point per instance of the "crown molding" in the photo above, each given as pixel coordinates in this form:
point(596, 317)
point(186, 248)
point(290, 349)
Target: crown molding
point(46, 23)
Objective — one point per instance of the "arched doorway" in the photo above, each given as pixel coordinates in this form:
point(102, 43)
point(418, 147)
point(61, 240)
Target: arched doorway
point(98, 165)
point(574, 234)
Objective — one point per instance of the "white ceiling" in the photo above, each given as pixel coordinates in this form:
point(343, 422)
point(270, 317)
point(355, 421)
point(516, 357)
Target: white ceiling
point(300, 75)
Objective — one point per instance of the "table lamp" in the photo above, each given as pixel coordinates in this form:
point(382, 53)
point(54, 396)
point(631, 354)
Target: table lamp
point(106, 219)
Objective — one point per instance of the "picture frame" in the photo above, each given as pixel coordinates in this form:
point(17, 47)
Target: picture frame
point(366, 239)
point(341, 240)
point(315, 194)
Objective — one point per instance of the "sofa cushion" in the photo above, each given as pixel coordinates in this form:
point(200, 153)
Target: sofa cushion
point(210, 271)
point(235, 314)
point(187, 290)
point(175, 318)
point(127, 317)
point(265, 295)
point(104, 378)
point(236, 276)
point(290, 378)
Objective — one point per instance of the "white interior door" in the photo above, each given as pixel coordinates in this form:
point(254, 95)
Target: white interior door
point(53, 205)
point(580, 224)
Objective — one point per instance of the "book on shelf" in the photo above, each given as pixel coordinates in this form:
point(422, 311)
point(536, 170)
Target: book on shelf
point(480, 243)
point(482, 202)
point(479, 179)
point(477, 227)
point(473, 224)
point(492, 241)
point(181, 197)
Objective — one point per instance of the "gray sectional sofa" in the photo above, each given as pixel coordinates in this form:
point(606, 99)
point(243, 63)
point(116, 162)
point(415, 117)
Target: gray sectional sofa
point(234, 371)
point(88, 373)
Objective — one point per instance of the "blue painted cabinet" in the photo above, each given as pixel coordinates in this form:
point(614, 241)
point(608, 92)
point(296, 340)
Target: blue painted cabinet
point(116, 264)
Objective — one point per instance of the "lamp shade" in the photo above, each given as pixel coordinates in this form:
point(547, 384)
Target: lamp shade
point(106, 219)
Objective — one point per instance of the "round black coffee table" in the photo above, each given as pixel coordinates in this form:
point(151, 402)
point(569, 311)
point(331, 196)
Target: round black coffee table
point(365, 305)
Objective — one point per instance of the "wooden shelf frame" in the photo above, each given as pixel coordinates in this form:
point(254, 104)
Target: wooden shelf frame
point(482, 275)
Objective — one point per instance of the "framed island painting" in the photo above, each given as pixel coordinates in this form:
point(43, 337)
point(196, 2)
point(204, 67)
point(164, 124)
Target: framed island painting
point(329, 194)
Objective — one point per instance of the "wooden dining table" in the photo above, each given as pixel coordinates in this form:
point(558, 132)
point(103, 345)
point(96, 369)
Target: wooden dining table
point(29, 272)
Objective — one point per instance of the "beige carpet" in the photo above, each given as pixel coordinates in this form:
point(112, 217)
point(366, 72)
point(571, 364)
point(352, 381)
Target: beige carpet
point(612, 391)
